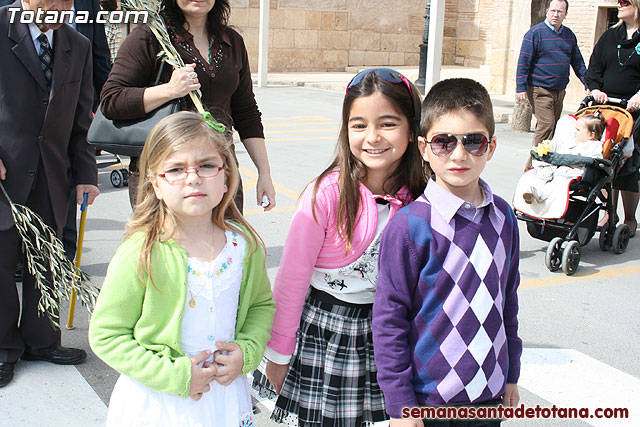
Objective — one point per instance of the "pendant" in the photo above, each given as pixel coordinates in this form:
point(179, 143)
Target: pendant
point(192, 302)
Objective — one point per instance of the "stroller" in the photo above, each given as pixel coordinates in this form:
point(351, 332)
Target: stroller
point(586, 195)
point(118, 177)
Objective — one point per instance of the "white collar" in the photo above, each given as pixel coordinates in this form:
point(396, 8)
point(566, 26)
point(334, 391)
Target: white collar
point(35, 33)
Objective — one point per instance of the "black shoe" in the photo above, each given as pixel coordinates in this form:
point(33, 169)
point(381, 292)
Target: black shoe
point(59, 355)
point(6, 373)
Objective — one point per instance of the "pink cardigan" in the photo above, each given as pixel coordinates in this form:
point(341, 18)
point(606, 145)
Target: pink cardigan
point(312, 244)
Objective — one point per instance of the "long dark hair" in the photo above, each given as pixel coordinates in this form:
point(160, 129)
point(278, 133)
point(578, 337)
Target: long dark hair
point(411, 172)
point(217, 18)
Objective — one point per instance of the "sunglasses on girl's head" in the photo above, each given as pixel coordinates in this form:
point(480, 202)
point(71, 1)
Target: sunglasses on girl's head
point(624, 3)
point(388, 74)
point(443, 144)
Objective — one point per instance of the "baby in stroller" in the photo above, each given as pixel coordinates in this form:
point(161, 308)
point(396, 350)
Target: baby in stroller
point(585, 141)
point(564, 211)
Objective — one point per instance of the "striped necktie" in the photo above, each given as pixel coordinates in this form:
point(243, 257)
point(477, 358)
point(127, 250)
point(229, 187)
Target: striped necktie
point(46, 59)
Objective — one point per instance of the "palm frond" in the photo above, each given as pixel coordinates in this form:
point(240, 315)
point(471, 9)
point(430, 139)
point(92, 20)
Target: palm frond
point(45, 255)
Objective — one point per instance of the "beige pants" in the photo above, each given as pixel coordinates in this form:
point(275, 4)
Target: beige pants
point(546, 105)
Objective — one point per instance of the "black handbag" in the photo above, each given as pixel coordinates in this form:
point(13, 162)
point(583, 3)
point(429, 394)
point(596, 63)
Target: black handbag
point(127, 137)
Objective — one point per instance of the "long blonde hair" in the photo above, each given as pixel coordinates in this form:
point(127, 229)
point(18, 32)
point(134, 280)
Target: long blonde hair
point(636, 14)
point(151, 216)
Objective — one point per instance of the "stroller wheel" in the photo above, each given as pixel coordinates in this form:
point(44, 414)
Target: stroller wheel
point(605, 234)
point(116, 178)
point(571, 257)
point(553, 257)
point(125, 177)
point(620, 239)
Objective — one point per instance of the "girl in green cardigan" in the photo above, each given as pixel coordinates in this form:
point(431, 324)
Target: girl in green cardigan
point(186, 307)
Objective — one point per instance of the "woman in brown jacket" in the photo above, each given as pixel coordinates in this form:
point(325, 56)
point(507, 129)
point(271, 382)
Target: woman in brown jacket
point(216, 63)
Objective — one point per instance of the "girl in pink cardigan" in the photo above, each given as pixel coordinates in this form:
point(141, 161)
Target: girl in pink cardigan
point(320, 356)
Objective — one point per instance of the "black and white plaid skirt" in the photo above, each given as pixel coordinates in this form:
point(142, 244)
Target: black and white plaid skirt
point(332, 375)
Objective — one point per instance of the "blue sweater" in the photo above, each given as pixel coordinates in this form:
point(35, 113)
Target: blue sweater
point(545, 57)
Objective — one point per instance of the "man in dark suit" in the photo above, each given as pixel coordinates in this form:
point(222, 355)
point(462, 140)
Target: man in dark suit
point(99, 48)
point(101, 59)
point(46, 95)
point(100, 54)
point(101, 66)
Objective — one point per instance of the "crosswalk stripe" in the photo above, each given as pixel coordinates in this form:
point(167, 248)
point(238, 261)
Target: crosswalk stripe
point(315, 123)
point(581, 277)
point(571, 379)
point(44, 394)
point(297, 131)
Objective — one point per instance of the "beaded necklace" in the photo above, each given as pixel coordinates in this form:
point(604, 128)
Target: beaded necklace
point(197, 273)
point(210, 273)
point(213, 38)
point(636, 50)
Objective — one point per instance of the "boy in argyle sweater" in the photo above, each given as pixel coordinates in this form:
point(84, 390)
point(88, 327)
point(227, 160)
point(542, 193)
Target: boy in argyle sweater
point(445, 325)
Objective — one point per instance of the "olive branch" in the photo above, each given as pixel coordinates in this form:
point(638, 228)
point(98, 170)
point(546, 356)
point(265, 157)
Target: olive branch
point(45, 254)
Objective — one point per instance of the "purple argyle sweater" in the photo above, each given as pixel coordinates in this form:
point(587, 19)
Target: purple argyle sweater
point(445, 325)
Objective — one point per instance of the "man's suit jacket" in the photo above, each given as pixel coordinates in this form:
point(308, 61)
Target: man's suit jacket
point(38, 128)
point(99, 47)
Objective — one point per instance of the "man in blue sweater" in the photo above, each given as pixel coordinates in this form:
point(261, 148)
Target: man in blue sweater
point(543, 68)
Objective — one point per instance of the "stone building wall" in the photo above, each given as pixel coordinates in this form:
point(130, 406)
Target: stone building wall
point(466, 31)
point(329, 35)
point(489, 32)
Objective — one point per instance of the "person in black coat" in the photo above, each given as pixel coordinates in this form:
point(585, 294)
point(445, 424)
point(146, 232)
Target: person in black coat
point(99, 48)
point(44, 120)
point(614, 71)
point(101, 67)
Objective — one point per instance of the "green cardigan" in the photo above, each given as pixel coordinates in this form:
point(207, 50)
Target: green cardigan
point(136, 327)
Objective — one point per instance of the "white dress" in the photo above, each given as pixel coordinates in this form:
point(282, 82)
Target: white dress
point(209, 316)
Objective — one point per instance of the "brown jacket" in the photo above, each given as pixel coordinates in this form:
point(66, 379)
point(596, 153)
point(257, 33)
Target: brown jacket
point(226, 88)
point(36, 126)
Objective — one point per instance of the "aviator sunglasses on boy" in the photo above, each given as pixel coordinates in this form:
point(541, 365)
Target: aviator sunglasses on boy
point(444, 144)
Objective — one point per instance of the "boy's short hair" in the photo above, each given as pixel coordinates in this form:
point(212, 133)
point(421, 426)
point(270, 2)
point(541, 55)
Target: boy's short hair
point(451, 95)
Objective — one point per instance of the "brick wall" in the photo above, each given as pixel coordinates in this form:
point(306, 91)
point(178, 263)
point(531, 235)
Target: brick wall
point(489, 32)
point(329, 35)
